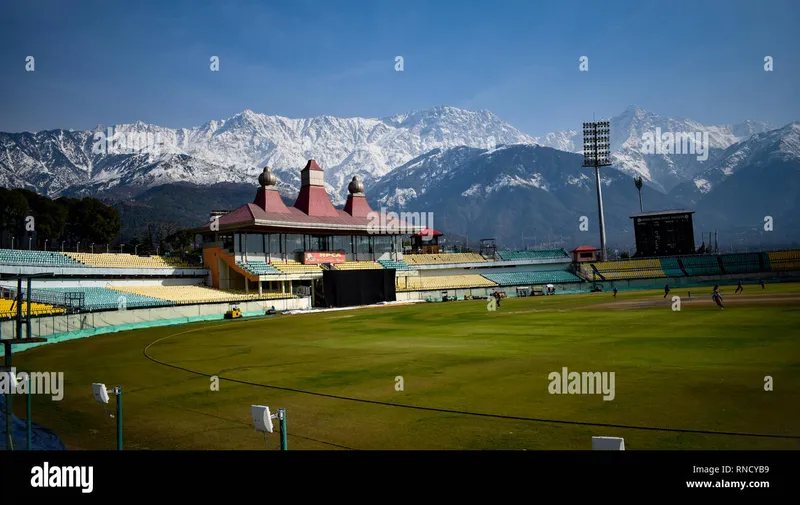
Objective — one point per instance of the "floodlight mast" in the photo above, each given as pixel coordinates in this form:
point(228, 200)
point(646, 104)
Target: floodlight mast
point(596, 154)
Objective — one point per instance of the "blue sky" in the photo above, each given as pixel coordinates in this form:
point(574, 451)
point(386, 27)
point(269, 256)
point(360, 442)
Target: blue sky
point(121, 62)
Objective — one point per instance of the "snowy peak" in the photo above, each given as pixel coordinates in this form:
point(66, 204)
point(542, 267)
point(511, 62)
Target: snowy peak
point(235, 149)
point(759, 150)
point(689, 147)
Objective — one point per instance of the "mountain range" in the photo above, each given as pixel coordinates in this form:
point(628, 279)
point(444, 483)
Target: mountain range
point(479, 175)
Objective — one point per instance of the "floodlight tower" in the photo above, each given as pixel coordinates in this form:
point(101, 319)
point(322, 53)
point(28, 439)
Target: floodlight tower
point(597, 154)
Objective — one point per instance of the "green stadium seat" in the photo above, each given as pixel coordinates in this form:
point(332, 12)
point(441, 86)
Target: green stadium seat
point(543, 254)
point(671, 267)
point(36, 258)
point(701, 265)
point(395, 265)
point(741, 263)
point(530, 278)
point(96, 298)
point(258, 268)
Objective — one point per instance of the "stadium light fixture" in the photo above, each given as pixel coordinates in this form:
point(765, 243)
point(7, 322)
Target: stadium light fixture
point(639, 182)
point(101, 396)
point(597, 154)
point(262, 420)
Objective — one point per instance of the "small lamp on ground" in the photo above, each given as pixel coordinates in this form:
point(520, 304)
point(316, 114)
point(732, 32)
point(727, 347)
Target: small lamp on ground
point(608, 444)
point(101, 396)
point(262, 420)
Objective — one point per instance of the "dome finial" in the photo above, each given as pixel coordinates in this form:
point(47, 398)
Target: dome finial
point(355, 186)
point(267, 178)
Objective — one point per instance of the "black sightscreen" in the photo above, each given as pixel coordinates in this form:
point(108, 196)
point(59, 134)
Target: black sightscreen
point(348, 288)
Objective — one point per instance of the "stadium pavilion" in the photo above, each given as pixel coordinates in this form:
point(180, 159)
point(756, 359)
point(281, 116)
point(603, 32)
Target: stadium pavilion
point(269, 246)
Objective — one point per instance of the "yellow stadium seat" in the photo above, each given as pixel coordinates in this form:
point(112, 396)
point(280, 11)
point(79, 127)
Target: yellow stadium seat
point(444, 282)
point(197, 294)
point(443, 259)
point(116, 260)
point(37, 309)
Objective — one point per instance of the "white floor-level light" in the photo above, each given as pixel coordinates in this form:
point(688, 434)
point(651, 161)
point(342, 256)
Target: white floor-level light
point(101, 396)
point(608, 444)
point(262, 420)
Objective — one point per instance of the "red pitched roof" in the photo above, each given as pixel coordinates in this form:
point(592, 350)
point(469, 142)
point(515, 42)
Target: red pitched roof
point(270, 200)
point(357, 206)
point(311, 165)
point(585, 248)
point(427, 233)
point(313, 210)
point(314, 201)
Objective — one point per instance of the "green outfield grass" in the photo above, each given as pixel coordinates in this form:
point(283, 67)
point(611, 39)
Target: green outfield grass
point(700, 368)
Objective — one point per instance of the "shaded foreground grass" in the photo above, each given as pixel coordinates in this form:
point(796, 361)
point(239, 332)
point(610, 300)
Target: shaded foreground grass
point(699, 368)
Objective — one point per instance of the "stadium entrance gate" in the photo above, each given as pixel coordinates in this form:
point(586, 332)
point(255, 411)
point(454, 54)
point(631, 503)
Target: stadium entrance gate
point(349, 288)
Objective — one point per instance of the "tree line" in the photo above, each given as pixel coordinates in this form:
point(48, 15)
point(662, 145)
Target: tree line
point(31, 220)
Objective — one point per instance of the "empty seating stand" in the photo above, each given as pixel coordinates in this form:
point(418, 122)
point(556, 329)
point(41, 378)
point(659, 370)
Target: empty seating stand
point(443, 258)
point(258, 268)
point(399, 265)
point(36, 258)
point(96, 298)
point(185, 295)
point(741, 263)
point(701, 265)
point(671, 267)
point(784, 260)
point(530, 278)
point(437, 282)
point(37, 309)
point(358, 265)
point(630, 269)
point(295, 267)
point(544, 254)
point(115, 260)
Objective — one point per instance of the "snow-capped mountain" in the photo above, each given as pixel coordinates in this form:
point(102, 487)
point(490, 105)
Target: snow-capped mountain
point(639, 145)
point(782, 144)
point(751, 179)
point(525, 190)
point(511, 191)
point(134, 157)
